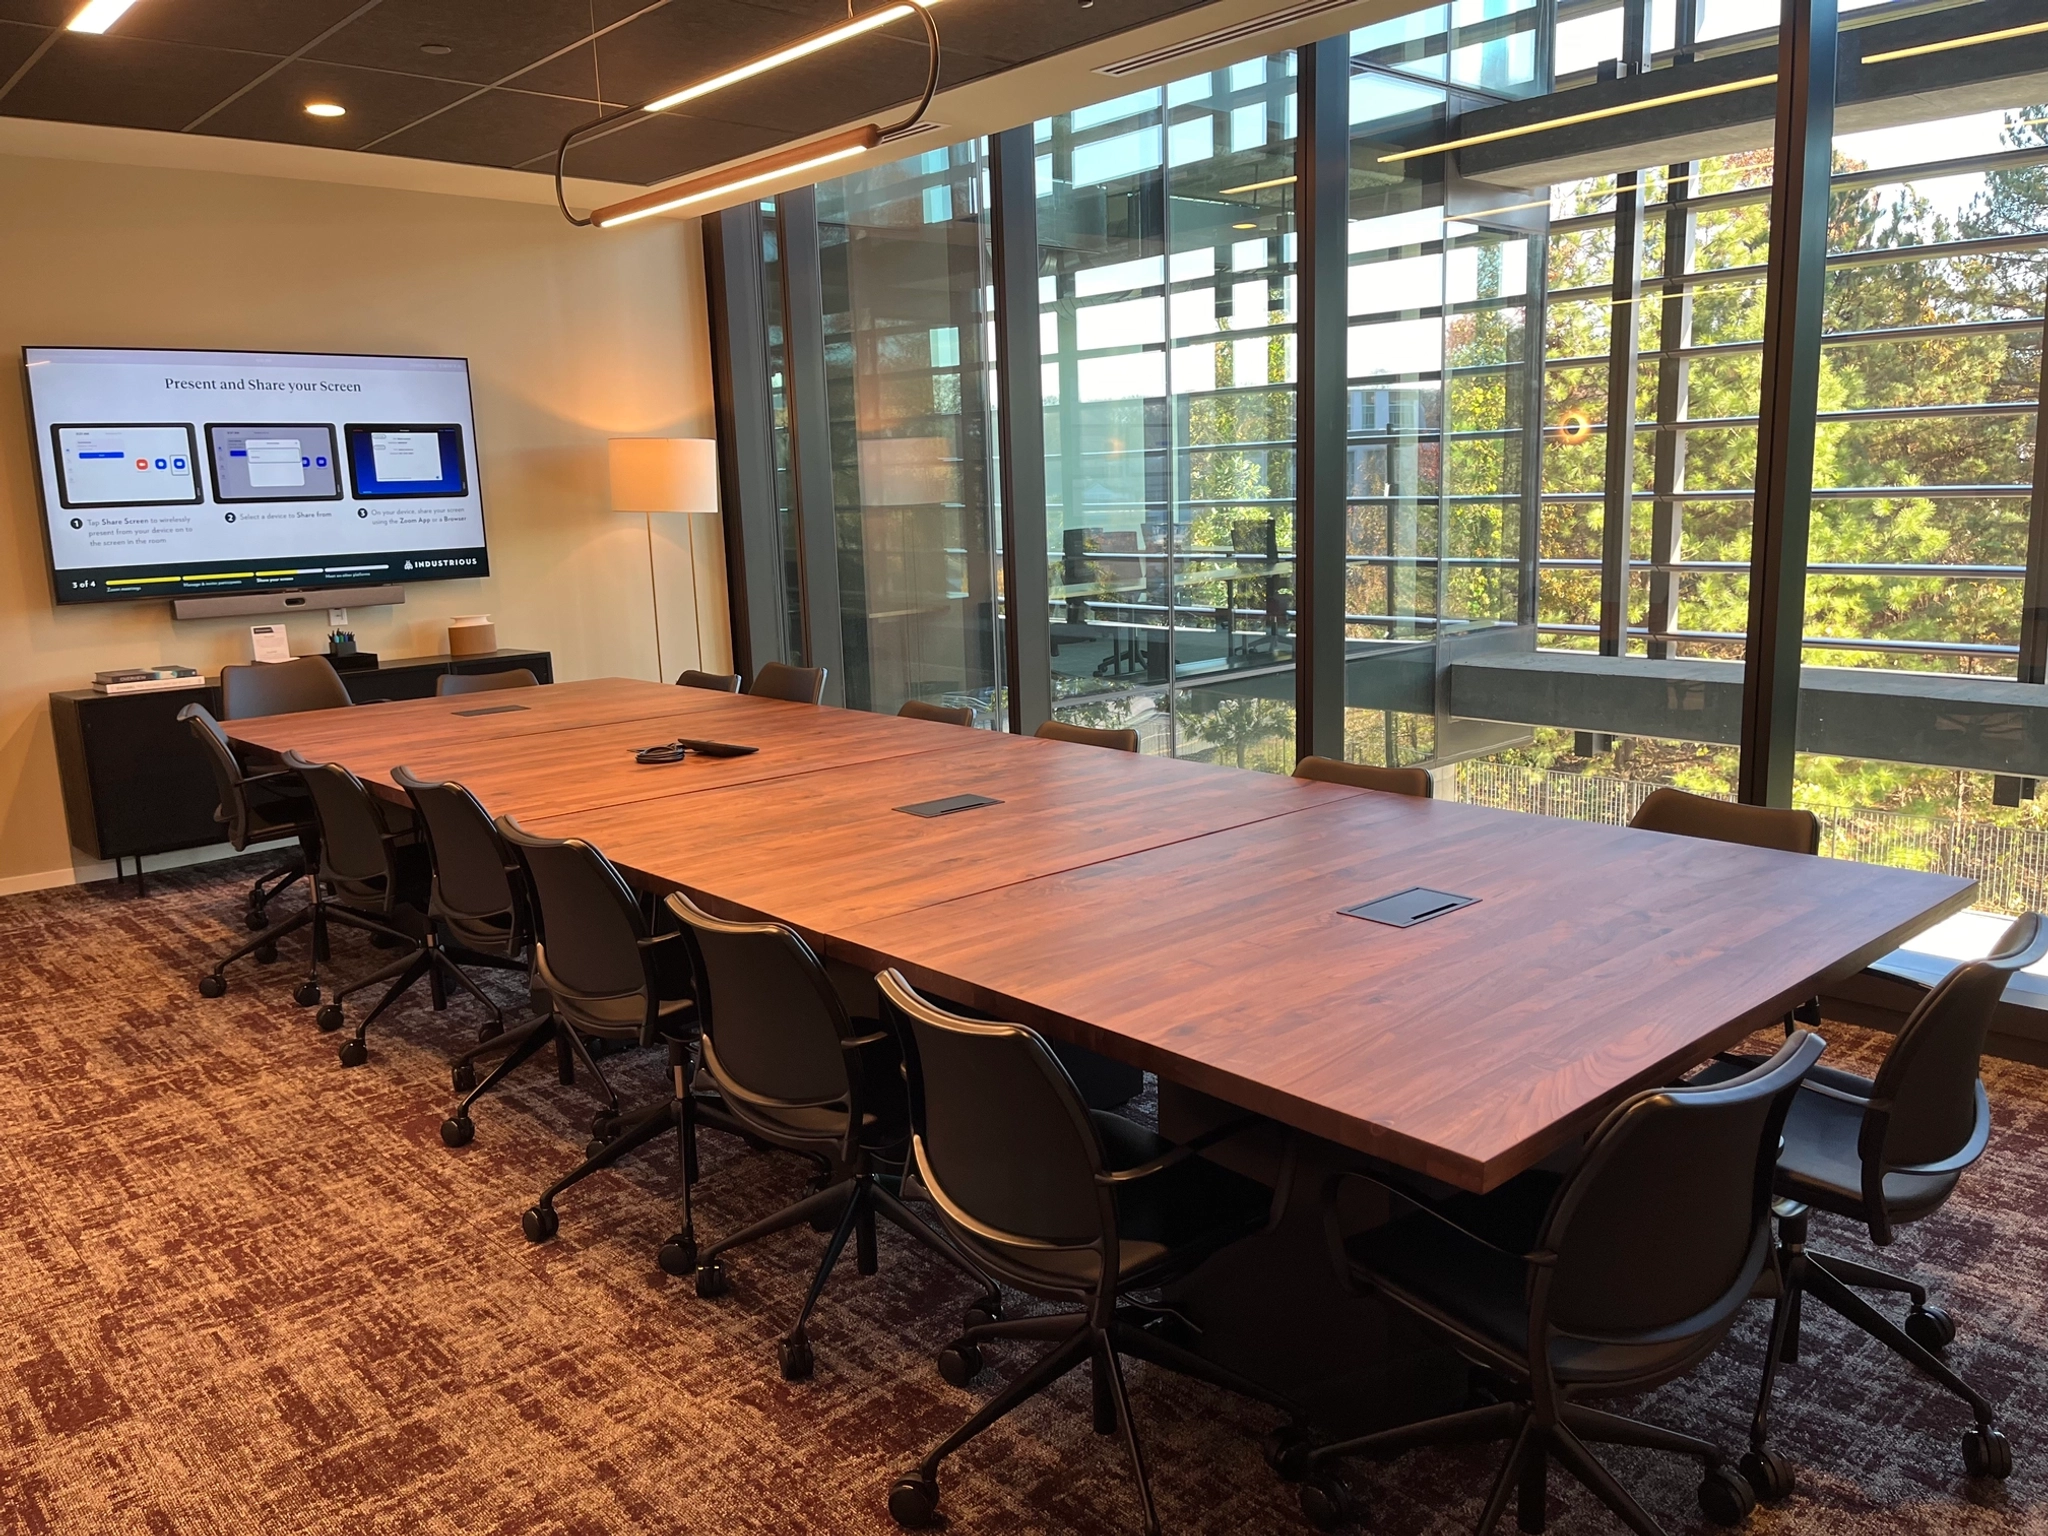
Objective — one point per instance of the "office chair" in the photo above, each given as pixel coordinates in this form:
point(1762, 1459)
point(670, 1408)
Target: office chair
point(940, 714)
point(1087, 736)
point(716, 682)
point(1066, 1204)
point(608, 975)
point(1392, 781)
point(479, 901)
point(378, 878)
point(779, 680)
point(1723, 821)
point(450, 683)
point(1884, 1151)
point(794, 1070)
point(257, 688)
point(1624, 1273)
point(255, 808)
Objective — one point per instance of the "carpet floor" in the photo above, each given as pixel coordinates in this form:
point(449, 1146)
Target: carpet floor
point(243, 1290)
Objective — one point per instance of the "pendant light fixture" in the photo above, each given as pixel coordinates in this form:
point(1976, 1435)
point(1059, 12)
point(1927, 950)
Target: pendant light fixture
point(763, 168)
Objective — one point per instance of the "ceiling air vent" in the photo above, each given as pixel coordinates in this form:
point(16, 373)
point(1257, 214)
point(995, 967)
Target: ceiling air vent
point(1221, 37)
point(916, 131)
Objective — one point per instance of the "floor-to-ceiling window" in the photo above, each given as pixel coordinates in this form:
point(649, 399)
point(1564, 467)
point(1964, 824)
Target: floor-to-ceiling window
point(1166, 297)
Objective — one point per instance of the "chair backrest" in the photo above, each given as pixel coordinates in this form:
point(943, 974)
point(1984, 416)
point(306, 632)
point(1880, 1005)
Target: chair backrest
point(1392, 781)
point(589, 921)
point(1925, 1097)
point(1088, 736)
point(355, 855)
point(716, 682)
point(768, 1008)
point(280, 688)
point(917, 709)
point(1664, 1224)
point(1723, 821)
point(233, 814)
point(479, 886)
point(483, 682)
point(1003, 1136)
point(799, 685)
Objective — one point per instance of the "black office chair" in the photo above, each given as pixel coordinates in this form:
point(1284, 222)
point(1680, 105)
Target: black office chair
point(257, 688)
point(795, 1070)
point(255, 808)
point(1884, 1151)
point(716, 682)
point(1392, 781)
point(1622, 1274)
point(608, 975)
point(451, 683)
point(378, 879)
point(1724, 821)
point(1068, 1204)
point(938, 714)
point(779, 680)
point(1088, 736)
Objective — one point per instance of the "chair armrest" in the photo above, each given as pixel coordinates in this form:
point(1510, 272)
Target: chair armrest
point(1182, 1152)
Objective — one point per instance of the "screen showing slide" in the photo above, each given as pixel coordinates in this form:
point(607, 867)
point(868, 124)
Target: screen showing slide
point(320, 470)
point(405, 461)
point(274, 463)
point(127, 466)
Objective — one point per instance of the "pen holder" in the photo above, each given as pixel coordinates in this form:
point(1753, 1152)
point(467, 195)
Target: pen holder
point(341, 647)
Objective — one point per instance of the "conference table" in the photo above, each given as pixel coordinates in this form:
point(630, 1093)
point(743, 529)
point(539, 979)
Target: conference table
point(1182, 917)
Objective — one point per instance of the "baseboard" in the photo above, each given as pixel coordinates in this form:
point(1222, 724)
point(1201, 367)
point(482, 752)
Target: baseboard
point(103, 869)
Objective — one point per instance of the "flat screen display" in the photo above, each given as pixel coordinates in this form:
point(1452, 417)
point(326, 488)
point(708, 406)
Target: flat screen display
point(176, 474)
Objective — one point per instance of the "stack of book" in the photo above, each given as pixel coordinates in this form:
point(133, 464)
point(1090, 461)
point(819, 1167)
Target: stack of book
point(145, 679)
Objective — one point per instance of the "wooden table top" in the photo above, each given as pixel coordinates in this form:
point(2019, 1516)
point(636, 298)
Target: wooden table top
point(1185, 917)
point(1597, 961)
point(827, 850)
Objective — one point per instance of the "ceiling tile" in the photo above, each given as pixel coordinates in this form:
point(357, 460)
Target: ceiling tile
point(662, 148)
point(378, 103)
point(499, 127)
point(128, 82)
point(276, 27)
point(17, 43)
point(519, 32)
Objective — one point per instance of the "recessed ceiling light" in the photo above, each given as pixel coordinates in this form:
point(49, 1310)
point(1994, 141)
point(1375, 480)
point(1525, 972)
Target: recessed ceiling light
point(438, 50)
point(325, 109)
point(98, 15)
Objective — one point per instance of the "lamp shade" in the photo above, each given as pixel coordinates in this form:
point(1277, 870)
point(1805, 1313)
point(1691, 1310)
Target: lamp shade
point(664, 474)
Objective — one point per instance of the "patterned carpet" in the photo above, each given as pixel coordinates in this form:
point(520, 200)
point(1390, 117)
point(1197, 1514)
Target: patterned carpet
point(246, 1291)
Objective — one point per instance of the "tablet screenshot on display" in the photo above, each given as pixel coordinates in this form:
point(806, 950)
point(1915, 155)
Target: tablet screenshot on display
point(405, 461)
point(126, 466)
point(273, 462)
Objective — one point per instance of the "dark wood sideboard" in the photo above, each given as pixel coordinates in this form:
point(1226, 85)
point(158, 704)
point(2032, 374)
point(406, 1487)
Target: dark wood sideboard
point(135, 783)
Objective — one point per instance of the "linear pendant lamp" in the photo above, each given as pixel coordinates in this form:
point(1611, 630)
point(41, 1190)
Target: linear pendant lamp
point(775, 163)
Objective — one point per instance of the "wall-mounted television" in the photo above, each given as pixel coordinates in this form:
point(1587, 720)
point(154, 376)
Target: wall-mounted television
point(194, 474)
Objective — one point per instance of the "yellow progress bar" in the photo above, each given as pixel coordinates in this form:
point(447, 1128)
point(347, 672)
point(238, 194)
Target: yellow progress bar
point(280, 573)
point(141, 581)
point(216, 576)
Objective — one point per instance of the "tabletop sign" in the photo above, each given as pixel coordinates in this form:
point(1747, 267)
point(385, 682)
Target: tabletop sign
point(492, 709)
point(1404, 909)
point(947, 806)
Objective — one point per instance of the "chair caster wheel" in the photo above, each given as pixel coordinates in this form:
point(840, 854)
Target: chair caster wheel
point(1287, 1450)
point(1987, 1453)
point(914, 1500)
point(354, 1053)
point(1725, 1496)
point(256, 919)
point(604, 1126)
point(678, 1256)
point(490, 1029)
point(1770, 1476)
point(960, 1363)
point(463, 1077)
point(1327, 1503)
point(265, 954)
point(328, 1018)
point(977, 1314)
point(213, 986)
point(306, 993)
point(1931, 1328)
point(712, 1281)
point(540, 1223)
point(458, 1131)
point(795, 1357)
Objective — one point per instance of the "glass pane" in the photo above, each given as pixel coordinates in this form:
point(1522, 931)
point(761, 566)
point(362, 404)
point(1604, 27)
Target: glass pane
point(1166, 293)
point(790, 550)
point(909, 376)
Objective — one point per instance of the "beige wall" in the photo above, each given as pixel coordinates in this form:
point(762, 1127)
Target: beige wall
point(573, 336)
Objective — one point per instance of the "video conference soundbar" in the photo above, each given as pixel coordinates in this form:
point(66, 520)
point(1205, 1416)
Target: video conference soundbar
point(229, 604)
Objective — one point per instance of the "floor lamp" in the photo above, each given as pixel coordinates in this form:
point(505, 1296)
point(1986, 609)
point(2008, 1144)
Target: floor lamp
point(664, 474)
